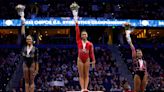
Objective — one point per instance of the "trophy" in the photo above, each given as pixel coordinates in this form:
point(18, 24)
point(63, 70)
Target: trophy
point(74, 7)
point(20, 9)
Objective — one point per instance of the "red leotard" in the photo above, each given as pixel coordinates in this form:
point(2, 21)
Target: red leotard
point(89, 50)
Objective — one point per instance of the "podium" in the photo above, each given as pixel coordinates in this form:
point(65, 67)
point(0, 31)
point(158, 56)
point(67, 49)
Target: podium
point(88, 91)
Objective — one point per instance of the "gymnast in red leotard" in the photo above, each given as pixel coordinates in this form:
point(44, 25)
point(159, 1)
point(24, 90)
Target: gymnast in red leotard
point(85, 52)
point(85, 48)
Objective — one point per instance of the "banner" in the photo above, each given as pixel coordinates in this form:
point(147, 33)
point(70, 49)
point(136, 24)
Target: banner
point(56, 83)
point(68, 21)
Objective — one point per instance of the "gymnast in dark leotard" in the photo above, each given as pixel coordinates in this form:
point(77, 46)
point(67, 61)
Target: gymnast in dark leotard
point(30, 58)
point(139, 64)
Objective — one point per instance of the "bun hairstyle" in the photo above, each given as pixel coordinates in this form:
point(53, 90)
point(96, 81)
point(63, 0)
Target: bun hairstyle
point(30, 37)
point(138, 50)
point(84, 30)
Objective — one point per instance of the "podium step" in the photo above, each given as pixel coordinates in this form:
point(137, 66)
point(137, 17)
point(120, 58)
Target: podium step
point(88, 91)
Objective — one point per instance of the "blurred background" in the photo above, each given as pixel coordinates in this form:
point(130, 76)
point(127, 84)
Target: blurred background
point(58, 51)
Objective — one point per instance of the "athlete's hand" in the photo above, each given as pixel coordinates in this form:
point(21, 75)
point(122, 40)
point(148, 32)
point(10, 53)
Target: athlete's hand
point(127, 26)
point(75, 15)
point(35, 73)
point(128, 31)
point(93, 64)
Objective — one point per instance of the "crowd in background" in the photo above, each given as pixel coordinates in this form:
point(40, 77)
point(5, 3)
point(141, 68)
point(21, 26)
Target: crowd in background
point(8, 39)
point(9, 59)
point(58, 67)
point(58, 70)
point(120, 9)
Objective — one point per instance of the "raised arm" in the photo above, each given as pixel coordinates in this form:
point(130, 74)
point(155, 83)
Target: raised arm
point(23, 26)
point(74, 8)
point(128, 38)
point(77, 32)
point(23, 33)
point(132, 48)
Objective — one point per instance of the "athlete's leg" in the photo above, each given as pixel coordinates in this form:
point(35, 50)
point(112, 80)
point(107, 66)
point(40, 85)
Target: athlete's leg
point(86, 73)
point(137, 83)
point(26, 77)
point(144, 83)
point(80, 66)
point(32, 77)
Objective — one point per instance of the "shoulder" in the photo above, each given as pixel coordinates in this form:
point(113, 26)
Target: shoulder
point(24, 47)
point(89, 42)
point(23, 50)
point(79, 41)
point(134, 59)
point(36, 48)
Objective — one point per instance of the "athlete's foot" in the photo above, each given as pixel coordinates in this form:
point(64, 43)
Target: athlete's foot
point(86, 90)
point(82, 90)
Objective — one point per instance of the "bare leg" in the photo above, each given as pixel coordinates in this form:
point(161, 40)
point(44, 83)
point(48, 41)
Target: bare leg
point(144, 83)
point(26, 77)
point(86, 74)
point(137, 83)
point(32, 77)
point(81, 73)
point(21, 85)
